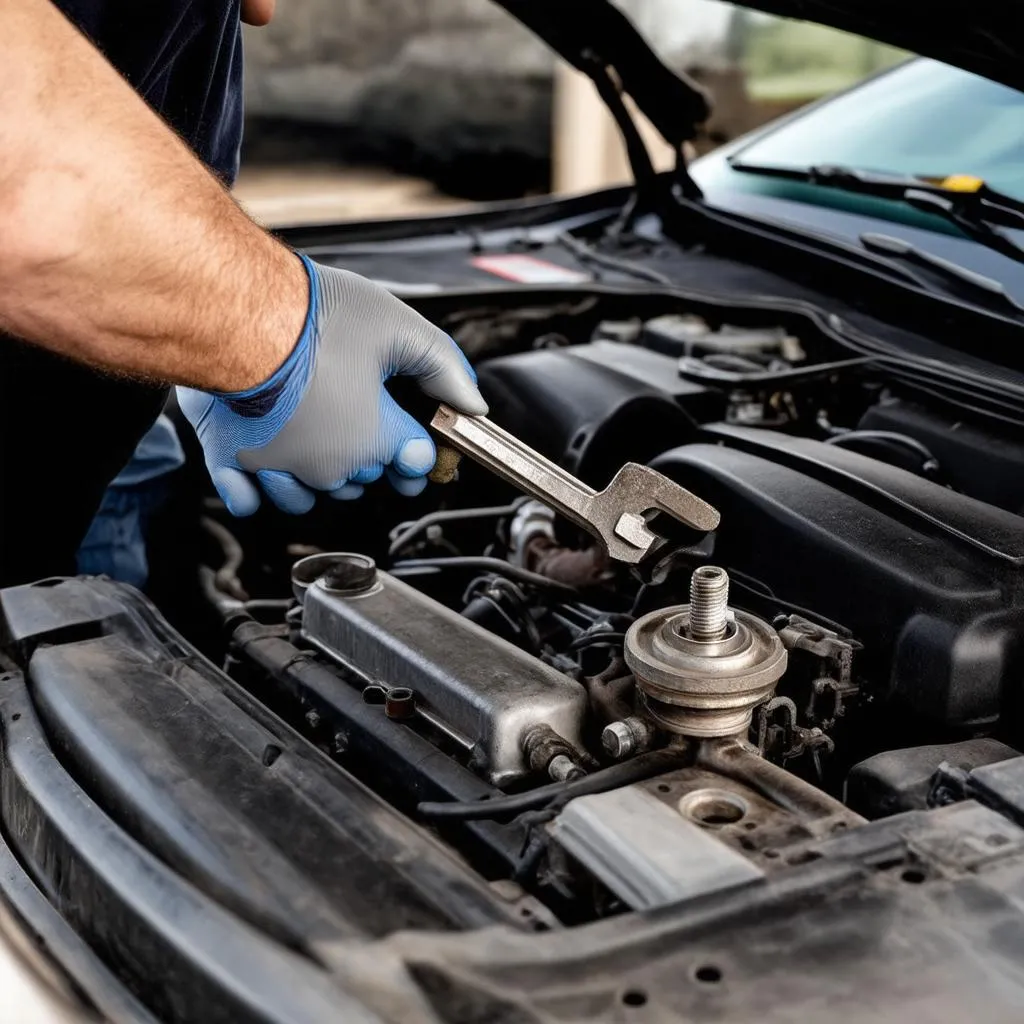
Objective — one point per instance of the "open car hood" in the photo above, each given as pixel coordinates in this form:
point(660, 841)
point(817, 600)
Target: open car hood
point(596, 35)
point(984, 37)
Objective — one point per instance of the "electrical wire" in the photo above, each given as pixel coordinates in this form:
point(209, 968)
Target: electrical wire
point(761, 589)
point(586, 254)
point(603, 639)
point(484, 588)
point(407, 531)
point(225, 579)
point(483, 564)
point(556, 794)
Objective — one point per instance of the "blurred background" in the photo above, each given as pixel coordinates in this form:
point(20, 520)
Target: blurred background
point(360, 109)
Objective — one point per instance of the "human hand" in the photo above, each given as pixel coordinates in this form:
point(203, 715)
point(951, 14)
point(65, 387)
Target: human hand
point(324, 421)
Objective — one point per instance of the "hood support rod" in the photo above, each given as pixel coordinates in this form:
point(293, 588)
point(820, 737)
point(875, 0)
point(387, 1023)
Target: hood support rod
point(599, 40)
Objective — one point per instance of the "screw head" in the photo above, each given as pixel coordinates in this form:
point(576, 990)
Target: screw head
point(618, 740)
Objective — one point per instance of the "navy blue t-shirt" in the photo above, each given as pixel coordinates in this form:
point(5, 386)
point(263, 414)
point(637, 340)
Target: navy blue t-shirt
point(184, 57)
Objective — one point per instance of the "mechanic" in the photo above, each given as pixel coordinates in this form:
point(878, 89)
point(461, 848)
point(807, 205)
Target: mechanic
point(125, 266)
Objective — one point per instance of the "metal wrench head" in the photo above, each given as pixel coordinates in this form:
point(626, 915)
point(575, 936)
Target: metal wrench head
point(619, 512)
point(616, 516)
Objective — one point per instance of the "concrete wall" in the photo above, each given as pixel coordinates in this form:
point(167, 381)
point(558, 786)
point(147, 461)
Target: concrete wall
point(454, 90)
point(420, 84)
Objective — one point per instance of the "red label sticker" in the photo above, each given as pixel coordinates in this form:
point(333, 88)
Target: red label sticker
point(528, 270)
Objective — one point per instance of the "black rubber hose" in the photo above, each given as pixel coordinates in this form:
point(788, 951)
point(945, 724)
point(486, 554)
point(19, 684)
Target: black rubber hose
point(414, 529)
point(586, 254)
point(226, 577)
point(644, 766)
point(606, 639)
point(850, 439)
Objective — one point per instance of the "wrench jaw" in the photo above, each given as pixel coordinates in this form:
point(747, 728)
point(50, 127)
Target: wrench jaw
point(619, 512)
point(633, 529)
point(630, 539)
point(666, 557)
point(639, 489)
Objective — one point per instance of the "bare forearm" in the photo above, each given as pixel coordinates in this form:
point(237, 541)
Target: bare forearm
point(117, 247)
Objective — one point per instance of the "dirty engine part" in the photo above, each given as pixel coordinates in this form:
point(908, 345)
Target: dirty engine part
point(702, 668)
point(486, 695)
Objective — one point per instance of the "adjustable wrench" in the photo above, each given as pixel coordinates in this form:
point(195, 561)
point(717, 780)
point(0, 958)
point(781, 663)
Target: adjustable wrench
point(615, 516)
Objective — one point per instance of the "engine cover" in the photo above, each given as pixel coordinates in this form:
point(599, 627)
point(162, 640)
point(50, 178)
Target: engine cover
point(593, 407)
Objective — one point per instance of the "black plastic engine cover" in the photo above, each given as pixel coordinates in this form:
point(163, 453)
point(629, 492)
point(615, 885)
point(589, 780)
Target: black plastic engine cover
point(593, 407)
point(930, 581)
point(974, 459)
point(901, 780)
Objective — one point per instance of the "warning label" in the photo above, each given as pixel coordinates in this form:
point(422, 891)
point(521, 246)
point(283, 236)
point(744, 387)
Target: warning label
point(528, 269)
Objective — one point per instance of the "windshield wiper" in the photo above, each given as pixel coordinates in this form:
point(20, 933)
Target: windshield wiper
point(968, 218)
point(959, 280)
point(979, 214)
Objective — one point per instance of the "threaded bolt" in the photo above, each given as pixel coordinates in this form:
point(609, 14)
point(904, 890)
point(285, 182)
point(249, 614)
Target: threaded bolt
point(709, 603)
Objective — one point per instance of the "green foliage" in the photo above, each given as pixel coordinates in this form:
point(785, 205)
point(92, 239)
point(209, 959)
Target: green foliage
point(787, 59)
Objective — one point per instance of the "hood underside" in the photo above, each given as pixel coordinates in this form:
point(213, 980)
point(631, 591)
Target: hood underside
point(983, 38)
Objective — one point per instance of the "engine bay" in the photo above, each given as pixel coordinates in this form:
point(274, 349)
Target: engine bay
point(530, 735)
point(861, 597)
point(441, 757)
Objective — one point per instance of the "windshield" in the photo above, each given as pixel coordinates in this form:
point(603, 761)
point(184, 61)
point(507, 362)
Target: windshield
point(923, 118)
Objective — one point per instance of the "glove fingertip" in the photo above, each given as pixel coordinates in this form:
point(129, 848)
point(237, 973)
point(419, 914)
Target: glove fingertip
point(465, 362)
point(236, 490)
point(447, 376)
point(347, 492)
point(415, 457)
point(407, 486)
point(469, 401)
point(457, 383)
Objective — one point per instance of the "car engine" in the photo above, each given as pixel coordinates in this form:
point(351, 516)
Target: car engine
point(606, 738)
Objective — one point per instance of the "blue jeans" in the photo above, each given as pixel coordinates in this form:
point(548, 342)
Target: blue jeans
point(115, 545)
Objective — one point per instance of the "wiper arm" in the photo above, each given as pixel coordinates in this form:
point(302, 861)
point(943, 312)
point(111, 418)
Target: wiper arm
point(997, 207)
point(977, 213)
point(960, 280)
point(967, 218)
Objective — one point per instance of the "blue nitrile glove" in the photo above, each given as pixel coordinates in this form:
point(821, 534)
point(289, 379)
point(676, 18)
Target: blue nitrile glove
point(324, 421)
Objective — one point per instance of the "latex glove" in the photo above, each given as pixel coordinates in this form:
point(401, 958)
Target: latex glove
point(324, 421)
